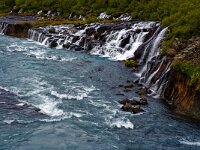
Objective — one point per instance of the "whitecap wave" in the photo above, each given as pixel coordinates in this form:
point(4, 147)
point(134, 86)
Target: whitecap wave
point(8, 121)
point(79, 93)
point(16, 48)
point(186, 142)
point(120, 122)
point(49, 107)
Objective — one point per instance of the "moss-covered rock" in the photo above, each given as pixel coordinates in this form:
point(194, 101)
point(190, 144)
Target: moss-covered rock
point(130, 63)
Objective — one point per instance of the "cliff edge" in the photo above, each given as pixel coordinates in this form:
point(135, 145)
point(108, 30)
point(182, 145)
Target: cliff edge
point(183, 90)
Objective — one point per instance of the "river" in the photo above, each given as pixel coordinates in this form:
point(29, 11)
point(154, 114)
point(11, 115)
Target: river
point(62, 99)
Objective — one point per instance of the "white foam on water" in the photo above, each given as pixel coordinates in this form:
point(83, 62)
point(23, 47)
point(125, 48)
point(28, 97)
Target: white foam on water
point(54, 119)
point(4, 88)
point(88, 122)
point(15, 48)
point(80, 92)
point(120, 123)
point(37, 53)
point(37, 91)
point(77, 115)
point(8, 121)
point(20, 104)
point(66, 115)
point(49, 107)
point(44, 56)
point(98, 104)
point(186, 142)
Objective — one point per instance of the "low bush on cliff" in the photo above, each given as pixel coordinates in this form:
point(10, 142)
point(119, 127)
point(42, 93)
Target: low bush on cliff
point(190, 70)
point(130, 63)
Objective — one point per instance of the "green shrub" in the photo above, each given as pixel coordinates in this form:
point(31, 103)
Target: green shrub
point(130, 63)
point(190, 70)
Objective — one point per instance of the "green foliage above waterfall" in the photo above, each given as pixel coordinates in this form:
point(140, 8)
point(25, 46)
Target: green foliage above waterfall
point(182, 16)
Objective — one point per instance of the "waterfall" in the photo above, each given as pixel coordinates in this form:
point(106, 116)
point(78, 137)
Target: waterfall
point(3, 27)
point(117, 41)
point(154, 70)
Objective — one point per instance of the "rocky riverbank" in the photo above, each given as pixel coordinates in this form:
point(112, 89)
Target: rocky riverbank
point(183, 92)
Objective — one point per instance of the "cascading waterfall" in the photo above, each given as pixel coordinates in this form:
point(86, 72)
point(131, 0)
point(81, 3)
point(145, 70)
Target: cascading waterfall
point(154, 71)
point(117, 41)
point(3, 27)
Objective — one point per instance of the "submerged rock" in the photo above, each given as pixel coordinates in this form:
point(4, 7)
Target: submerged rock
point(133, 106)
point(129, 108)
point(135, 101)
point(53, 44)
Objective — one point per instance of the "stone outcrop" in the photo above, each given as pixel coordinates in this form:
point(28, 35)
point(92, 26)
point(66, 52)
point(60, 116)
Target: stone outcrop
point(18, 30)
point(181, 96)
point(133, 106)
point(17, 26)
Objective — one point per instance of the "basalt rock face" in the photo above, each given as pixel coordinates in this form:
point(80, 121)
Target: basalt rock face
point(18, 30)
point(181, 96)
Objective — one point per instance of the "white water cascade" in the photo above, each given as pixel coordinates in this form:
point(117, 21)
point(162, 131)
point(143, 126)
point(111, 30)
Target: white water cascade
point(117, 41)
point(3, 27)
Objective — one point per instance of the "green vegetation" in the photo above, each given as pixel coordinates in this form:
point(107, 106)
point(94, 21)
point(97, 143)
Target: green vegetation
point(130, 63)
point(189, 70)
point(6, 5)
point(180, 15)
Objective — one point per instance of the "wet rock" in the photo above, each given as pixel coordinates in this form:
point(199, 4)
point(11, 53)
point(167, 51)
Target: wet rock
point(67, 45)
point(137, 81)
point(139, 52)
point(128, 108)
point(142, 91)
point(120, 94)
point(128, 85)
point(53, 44)
point(135, 101)
point(103, 28)
point(127, 90)
point(125, 41)
point(82, 41)
point(138, 31)
point(75, 38)
point(121, 85)
point(89, 46)
point(125, 101)
point(90, 31)
point(52, 30)
point(143, 101)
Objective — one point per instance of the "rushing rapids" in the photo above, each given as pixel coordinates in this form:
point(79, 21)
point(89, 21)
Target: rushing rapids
point(117, 41)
